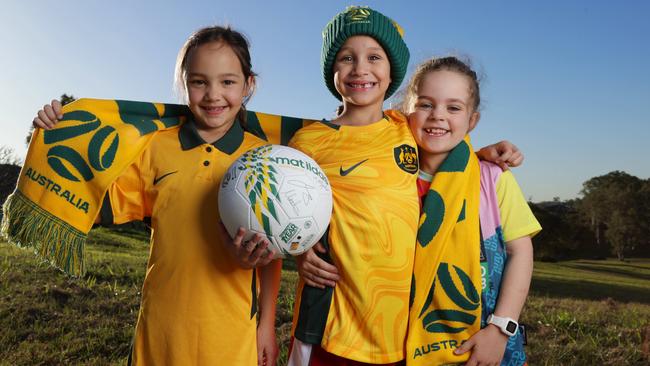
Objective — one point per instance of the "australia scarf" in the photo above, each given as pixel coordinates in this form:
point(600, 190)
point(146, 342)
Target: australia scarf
point(446, 298)
point(68, 170)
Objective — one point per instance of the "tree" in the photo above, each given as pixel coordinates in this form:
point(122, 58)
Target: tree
point(643, 201)
point(617, 208)
point(8, 156)
point(9, 171)
point(622, 232)
point(67, 99)
point(64, 99)
point(563, 234)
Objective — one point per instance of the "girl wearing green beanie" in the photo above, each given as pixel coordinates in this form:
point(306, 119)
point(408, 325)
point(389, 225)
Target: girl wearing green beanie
point(353, 296)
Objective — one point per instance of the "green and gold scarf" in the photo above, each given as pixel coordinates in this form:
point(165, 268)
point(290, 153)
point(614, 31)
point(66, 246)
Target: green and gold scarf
point(68, 170)
point(446, 302)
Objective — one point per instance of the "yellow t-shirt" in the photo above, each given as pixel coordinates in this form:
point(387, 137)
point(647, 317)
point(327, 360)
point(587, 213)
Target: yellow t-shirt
point(198, 305)
point(517, 220)
point(372, 170)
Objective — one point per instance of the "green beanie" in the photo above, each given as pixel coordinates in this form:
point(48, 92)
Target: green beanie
point(361, 20)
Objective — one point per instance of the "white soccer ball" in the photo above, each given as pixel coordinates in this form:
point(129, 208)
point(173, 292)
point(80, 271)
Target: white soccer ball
point(279, 192)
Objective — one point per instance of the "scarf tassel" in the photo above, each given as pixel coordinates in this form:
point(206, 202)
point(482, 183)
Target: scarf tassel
point(28, 226)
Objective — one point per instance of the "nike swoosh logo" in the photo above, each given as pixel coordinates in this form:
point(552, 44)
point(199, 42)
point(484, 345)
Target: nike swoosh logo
point(157, 180)
point(345, 172)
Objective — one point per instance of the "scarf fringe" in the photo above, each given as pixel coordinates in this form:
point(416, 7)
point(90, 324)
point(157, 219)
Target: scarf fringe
point(28, 226)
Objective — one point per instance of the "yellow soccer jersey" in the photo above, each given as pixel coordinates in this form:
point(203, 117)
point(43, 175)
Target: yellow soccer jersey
point(371, 239)
point(198, 306)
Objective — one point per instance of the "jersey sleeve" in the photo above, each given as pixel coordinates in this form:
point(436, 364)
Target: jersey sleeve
point(127, 195)
point(517, 219)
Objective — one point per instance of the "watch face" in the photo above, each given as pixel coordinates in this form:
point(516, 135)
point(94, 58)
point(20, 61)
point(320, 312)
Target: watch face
point(511, 327)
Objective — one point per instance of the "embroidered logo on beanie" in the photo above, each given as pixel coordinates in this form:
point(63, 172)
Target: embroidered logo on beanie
point(358, 15)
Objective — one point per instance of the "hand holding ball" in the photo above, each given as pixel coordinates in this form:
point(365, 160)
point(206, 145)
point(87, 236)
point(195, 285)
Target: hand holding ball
point(280, 193)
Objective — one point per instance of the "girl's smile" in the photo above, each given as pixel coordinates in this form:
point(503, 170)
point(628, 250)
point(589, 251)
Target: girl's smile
point(214, 111)
point(436, 131)
point(361, 85)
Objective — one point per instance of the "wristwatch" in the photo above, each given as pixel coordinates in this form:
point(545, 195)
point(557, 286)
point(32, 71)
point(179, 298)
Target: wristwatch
point(507, 325)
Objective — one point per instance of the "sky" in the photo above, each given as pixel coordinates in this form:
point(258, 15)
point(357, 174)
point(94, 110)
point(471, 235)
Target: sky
point(566, 81)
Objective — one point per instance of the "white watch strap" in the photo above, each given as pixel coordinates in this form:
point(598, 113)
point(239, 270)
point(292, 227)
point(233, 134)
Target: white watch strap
point(507, 325)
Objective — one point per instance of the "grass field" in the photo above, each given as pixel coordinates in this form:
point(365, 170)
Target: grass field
point(579, 312)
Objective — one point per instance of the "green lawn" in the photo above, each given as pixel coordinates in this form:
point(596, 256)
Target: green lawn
point(594, 280)
point(579, 312)
point(47, 318)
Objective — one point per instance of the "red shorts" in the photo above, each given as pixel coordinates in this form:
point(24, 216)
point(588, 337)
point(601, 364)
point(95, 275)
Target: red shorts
point(314, 355)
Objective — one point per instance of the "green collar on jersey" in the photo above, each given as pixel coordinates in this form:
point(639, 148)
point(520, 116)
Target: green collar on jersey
point(189, 137)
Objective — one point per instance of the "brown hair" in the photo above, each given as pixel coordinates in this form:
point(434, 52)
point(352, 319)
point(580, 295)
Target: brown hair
point(449, 63)
point(235, 40)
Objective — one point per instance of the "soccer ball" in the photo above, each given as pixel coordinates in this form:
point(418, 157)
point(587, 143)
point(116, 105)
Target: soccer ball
point(279, 192)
